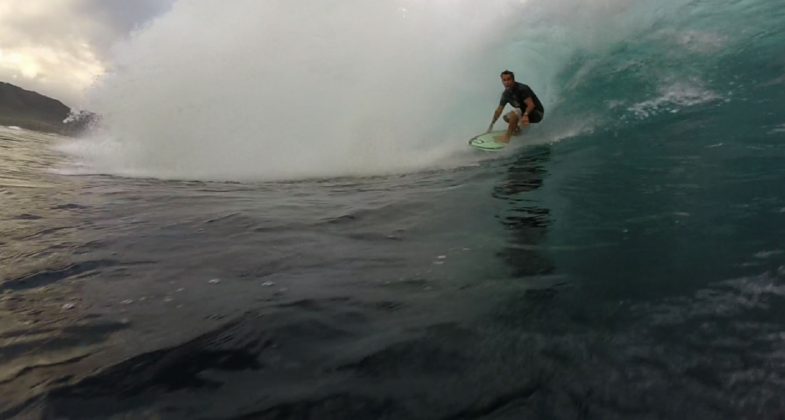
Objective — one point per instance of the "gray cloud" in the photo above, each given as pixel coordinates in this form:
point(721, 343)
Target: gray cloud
point(58, 47)
point(121, 17)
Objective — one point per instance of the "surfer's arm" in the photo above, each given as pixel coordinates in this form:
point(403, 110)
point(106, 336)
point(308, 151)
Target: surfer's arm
point(496, 116)
point(529, 108)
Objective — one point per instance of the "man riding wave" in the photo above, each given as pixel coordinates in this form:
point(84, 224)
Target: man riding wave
point(526, 107)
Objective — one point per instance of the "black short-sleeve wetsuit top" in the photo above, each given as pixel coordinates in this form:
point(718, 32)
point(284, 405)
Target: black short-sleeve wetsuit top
point(516, 95)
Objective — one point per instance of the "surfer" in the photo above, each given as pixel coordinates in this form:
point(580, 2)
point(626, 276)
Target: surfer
point(526, 107)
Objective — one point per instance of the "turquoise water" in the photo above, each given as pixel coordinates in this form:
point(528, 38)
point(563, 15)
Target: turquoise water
point(623, 260)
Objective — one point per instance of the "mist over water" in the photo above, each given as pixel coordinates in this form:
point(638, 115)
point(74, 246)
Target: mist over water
point(277, 90)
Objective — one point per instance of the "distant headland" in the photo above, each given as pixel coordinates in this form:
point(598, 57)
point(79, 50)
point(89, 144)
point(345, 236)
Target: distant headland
point(33, 111)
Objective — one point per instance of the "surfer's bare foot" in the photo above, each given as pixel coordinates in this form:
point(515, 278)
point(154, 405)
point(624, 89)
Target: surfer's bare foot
point(504, 138)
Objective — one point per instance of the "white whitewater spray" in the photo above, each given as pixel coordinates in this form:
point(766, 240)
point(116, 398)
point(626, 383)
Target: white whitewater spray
point(280, 90)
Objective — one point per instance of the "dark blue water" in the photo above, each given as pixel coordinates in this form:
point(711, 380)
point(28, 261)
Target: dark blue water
point(634, 270)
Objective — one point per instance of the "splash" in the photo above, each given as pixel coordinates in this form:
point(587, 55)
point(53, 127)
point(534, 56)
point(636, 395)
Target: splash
point(275, 90)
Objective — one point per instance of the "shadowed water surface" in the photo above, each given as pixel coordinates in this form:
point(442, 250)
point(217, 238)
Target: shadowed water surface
point(524, 286)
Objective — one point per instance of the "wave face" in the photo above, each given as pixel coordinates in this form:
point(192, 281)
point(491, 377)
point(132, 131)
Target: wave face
point(275, 90)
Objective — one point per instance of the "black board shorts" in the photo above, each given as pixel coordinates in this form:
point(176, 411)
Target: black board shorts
point(535, 115)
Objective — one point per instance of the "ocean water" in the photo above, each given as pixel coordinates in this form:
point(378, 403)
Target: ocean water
point(238, 250)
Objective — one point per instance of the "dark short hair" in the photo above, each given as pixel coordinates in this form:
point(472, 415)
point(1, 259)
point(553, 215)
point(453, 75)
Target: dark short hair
point(508, 72)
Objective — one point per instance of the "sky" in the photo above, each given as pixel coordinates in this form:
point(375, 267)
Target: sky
point(59, 47)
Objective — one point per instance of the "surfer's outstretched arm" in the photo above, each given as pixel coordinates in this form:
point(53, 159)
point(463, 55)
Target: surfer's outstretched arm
point(496, 116)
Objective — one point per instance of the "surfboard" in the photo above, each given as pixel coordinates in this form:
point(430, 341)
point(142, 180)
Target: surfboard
point(487, 142)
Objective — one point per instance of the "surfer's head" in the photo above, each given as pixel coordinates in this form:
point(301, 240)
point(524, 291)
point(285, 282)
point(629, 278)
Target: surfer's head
point(508, 79)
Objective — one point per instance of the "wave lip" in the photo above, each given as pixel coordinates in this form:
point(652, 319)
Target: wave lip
point(391, 86)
